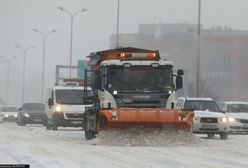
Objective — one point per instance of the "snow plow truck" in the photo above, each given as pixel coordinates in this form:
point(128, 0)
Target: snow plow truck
point(132, 86)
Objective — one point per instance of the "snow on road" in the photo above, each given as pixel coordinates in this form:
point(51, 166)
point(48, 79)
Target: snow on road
point(34, 145)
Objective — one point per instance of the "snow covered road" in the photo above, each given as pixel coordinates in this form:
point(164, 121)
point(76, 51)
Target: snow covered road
point(34, 145)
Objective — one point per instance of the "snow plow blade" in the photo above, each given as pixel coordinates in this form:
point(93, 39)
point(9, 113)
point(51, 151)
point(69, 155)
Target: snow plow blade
point(127, 117)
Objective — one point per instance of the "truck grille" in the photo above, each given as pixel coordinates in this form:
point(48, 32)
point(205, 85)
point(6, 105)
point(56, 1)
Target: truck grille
point(209, 120)
point(73, 115)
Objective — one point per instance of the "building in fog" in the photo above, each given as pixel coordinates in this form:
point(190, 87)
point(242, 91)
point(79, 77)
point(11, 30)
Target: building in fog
point(222, 62)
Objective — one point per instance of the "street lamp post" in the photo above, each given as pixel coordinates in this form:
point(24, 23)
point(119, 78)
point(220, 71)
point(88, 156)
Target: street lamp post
point(44, 36)
point(8, 75)
point(72, 16)
point(198, 50)
point(117, 26)
point(24, 51)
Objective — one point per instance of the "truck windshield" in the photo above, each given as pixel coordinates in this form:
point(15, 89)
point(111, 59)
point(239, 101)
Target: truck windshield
point(202, 105)
point(237, 108)
point(140, 79)
point(68, 96)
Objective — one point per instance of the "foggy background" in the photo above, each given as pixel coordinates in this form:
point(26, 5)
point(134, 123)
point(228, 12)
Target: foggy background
point(92, 31)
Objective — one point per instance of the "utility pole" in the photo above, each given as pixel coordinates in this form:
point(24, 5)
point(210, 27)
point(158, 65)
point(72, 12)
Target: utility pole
point(198, 51)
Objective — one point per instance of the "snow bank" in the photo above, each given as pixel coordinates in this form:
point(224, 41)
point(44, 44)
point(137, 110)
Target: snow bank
point(145, 137)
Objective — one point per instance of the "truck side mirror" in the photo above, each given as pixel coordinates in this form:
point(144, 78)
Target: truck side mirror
point(50, 102)
point(180, 72)
point(179, 82)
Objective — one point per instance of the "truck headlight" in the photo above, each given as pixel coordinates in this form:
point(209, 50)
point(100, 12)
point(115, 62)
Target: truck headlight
point(223, 119)
point(231, 119)
point(58, 108)
point(26, 115)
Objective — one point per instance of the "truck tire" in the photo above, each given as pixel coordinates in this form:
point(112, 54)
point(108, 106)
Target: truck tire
point(211, 135)
point(89, 135)
point(89, 123)
point(48, 126)
point(224, 135)
point(54, 125)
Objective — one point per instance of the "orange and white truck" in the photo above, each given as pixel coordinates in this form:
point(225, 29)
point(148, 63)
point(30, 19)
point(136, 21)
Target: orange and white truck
point(132, 86)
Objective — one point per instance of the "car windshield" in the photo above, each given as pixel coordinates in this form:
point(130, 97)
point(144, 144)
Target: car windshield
point(9, 109)
point(140, 79)
point(33, 107)
point(237, 108)
point(70, 96)
point(202, 105)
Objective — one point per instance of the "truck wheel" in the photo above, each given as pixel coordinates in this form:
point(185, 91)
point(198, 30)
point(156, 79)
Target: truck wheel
point(224, 135)
point(90, 121)
point(211, 135)
point(54, 125)
point(48, 126)
point(89, 135)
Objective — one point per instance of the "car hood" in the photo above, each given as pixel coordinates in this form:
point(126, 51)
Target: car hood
point(238, 115)
point(199, 113)
point(34, 112)
point(74, 108)
point(8, 113)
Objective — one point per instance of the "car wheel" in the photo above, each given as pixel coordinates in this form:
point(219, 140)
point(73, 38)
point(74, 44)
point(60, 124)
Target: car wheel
point(20, 122)
point(224, 135)
point(211, 135)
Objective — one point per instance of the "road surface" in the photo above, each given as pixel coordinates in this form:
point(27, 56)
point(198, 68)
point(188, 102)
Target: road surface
point(34, 145)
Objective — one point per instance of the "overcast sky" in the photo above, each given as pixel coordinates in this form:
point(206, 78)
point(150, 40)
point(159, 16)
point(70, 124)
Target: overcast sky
point(92, 29)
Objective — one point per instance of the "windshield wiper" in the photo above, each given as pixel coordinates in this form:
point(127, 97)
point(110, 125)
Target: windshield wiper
point(153, 86)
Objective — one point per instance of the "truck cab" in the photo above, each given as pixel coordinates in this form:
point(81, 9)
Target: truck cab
point(65, 106)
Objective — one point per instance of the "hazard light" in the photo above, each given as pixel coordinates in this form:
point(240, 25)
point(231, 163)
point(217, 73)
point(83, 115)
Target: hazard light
point(138, 56)
point(125, 55)
point(152, 55)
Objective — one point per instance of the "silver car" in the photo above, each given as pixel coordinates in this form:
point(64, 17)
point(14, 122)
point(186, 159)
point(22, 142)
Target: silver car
point(9, 113)
point(238, 114)
point(208, 118)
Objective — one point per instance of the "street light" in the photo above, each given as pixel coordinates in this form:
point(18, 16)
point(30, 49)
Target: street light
point(7, 60)
point(24, 51)
point(44, 36)
point(72, 16)
point(198, 50)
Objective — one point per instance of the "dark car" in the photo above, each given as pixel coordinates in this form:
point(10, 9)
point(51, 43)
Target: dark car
point(31, 113)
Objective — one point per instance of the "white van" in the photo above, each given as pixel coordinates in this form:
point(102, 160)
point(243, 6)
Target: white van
point(65, 106)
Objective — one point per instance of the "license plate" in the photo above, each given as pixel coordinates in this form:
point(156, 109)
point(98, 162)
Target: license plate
point(37, 120)
point(76, 122)
point(209, 126)
point(245, 125)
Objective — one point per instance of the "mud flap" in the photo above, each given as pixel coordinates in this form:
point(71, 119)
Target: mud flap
point(91, 122)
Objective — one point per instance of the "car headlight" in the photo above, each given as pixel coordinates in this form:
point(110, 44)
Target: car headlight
point(223, 119)
point(26, 115)
point(6, 115)
point(58, 108)
point(231, 119)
